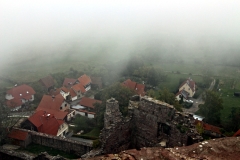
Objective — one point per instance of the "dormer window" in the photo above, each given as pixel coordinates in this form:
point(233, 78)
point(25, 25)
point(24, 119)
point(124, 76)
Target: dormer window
point(20, 94)
point(27, 92)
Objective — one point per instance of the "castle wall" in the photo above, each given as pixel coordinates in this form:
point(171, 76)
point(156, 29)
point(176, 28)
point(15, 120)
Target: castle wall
point(150, 123)
point(63, 144)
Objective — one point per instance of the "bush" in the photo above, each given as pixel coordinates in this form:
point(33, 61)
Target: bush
point(96, 143)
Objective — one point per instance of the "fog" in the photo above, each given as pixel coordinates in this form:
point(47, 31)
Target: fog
point(116, 30)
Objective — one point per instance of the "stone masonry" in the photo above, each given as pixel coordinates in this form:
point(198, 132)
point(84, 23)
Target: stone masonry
point(150, 123)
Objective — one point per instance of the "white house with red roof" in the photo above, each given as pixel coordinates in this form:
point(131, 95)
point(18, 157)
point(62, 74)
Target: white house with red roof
point(57, 106)
point(86, 107)
point(85, 81)
point(45, 122)
point(136, 87)
point(19, 95)
point(189, 86)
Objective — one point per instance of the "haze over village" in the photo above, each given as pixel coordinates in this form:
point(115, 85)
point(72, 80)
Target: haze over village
point(119, 80)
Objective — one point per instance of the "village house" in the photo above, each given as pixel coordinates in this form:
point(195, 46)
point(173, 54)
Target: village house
point(86, 107)
point(69, 82)
point(47, 83)
point(136, 87)
point(20, 138)
point(189, 86)
point(19, 96)
point(45, 122)
point(85, 81)
point(57, 106)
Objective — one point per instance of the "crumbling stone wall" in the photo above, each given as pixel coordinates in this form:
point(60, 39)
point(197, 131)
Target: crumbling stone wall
point(150, 123)
point(116, 134)
point(64, 144)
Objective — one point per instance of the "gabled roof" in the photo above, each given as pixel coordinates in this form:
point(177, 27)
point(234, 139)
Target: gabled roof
point(183, 93)
point(22, 92)
point(54, 92)
point(68, 82)
point(45, 122)
point(190, 83)
point(64, 89)
point(47, 81)
point(79, 87)
point(84, 80)
point(208, 127)
point(49, 102)
point(18, 134)
point(130, 84)
point(138, 88)
point(88, 102)
point(72, 93)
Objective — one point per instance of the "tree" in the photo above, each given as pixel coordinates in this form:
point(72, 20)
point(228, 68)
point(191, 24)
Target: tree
point(6, 123)
point(168, 97)
point(83, 123)
point(120, 93)
point(212, 107)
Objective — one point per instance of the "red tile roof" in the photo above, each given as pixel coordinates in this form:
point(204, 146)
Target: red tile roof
point(208, 127)
point(72, 93)
point(68, 82)
point(237, 133)
point(88, 102)
point(18, 134)
point(54, 92)
point(14, 103)
point(45, 122)
point(21, 92)
point(138, 88)
point(130, 84)
point(84, 80)
point(64, 89)
point(47, 81)
point(79, 87)
point(48, 102)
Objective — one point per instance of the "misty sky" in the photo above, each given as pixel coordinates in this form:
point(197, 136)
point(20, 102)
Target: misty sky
point(30, 28)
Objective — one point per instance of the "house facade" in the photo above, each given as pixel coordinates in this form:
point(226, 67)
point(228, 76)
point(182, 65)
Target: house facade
point(18, 96)
point(189, 86)
point(45, 122)
point(86, 107)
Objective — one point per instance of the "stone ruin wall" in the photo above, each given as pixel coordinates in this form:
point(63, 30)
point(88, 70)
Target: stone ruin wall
point(63, 144)
point(150, 123)
point(116, 134)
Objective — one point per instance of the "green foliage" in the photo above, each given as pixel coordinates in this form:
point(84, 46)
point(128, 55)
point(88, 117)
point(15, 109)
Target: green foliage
point(83, 123)
point(37, 149)
point(120, 93)
point(168, 97)
point(212, 107)
point(199, 128)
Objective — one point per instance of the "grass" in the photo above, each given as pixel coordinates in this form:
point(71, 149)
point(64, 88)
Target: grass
point(37, 149)
point(229, 100)
point(93, 133)
point(173, 82)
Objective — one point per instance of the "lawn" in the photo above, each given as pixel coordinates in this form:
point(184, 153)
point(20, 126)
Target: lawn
point(173, 81)
point(37, 149)
point(229, 100)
